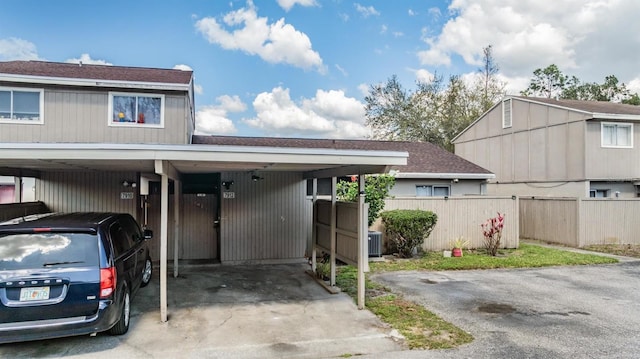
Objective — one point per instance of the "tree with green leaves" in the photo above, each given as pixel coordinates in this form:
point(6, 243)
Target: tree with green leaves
point(376, 189)
point(548, 82)
point(437, 111)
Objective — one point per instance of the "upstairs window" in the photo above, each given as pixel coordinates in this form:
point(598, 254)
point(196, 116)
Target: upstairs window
point(432, 191)
point(127, 109)
point(21, 105)
point(617, 135)
point(506, 113)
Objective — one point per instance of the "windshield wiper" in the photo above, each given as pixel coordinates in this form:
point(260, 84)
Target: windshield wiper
point(60, 263)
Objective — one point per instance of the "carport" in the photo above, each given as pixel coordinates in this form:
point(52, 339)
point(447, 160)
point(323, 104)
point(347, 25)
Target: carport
point(170, 162)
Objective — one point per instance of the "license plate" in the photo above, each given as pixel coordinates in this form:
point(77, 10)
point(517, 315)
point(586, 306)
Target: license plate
point(34, 293)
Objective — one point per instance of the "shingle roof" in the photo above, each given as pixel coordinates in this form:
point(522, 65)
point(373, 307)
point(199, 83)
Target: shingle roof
point(95, 72)
point(424, 157)
point(588, 106)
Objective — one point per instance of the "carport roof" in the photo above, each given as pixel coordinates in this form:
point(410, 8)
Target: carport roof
point(29, 159)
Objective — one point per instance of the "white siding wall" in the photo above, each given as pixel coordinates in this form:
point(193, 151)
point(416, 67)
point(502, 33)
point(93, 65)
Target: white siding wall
point(81, 116)
point(267, 220)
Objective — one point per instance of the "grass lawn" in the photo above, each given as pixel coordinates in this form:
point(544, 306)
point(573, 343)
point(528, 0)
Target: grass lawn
point(423, 329)
point(527, 256)
point(629, 250)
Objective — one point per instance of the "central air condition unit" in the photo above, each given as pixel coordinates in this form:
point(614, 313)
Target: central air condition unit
point(375, 244)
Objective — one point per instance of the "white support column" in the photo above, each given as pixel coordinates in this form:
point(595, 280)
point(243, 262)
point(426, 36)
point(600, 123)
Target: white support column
point(17, 189)
point(362, 241)
point(164, 217)
point(177, 186)
point(314, 234)
point(334, 223)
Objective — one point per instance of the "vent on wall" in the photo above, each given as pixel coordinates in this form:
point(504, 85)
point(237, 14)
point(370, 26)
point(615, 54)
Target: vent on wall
point(375, 244)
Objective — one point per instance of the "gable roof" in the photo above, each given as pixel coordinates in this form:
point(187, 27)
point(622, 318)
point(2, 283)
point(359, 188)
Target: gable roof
point(593, 107)
point(90, 75)
point(424, 158)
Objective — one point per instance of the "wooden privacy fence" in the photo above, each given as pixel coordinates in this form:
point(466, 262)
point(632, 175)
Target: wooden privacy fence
point(346, 229)
point(461, 216)
point(13, 210)
point(579, 222)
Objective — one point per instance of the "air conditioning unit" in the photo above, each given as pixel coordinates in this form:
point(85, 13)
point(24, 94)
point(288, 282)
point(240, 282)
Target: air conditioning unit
point(375, 244)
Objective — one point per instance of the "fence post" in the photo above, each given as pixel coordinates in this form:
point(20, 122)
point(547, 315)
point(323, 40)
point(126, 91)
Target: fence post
point(580, 236)
point(516, 214)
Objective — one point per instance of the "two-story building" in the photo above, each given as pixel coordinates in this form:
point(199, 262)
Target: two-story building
point(548, 147)
point(119, 139)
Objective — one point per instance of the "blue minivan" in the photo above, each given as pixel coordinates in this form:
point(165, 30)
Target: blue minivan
point(70, 274)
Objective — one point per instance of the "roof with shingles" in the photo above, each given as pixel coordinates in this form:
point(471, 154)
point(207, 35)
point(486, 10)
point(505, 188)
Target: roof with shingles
point(95, 72)
point(587, 106)
point(424, 157)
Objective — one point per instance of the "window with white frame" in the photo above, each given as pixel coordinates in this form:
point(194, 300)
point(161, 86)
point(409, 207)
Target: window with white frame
point(599, 193)
point(127, 109)
point(21, 105)
point(432, 191)
point(506, 113)
point(617, 134)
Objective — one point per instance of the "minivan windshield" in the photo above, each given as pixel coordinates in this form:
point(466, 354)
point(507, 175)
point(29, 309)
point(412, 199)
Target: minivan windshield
point(48, 250)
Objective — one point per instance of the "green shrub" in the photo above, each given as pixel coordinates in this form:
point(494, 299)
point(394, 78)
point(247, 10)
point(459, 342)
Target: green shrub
point(407, 229)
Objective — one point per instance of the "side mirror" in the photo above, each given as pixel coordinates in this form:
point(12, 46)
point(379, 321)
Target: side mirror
point(148, 234)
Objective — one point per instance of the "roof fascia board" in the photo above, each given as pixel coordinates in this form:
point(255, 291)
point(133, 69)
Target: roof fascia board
point(424, 175)
point(93, 82)
point(346, 171)
point(202, 153)
point(615, 116)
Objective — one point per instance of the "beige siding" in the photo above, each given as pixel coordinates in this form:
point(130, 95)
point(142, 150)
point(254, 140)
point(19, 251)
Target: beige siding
point(85, 192)
point(461, 216)
point(553, 189)
point(267, 219)
point(81, 116)
point(580, 222)
point(611, 163)
point(544, 144)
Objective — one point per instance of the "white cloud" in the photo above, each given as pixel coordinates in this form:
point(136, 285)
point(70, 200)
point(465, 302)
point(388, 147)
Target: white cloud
point(434, 12)
point(634, 85)
point(343, 71)
point(17, 49)
point(366, 11)
point(344, 17)
point(588, 38)
point(277, 42)
point(288, 4)
point(182, 67)
point(383, 29)
point(328, 114)
point(213, 120)
point(198, 89)
point(398, 34)
point(86, 59)
point(364, 89)
point(412, 12)
point(423, 75)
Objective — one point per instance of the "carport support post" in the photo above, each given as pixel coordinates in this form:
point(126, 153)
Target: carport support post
point(164, 217)
point(177, 185)
point(314, 228)
point(362, 240)
point(333, 230)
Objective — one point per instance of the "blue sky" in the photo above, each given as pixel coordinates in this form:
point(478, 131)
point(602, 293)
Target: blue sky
point(301, 68)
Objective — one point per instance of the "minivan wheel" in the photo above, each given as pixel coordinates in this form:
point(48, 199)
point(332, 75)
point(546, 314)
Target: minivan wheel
point(122, 326)
point(146, 274)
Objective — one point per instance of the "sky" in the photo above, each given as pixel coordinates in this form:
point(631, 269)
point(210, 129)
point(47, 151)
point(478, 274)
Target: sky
point(302, 68)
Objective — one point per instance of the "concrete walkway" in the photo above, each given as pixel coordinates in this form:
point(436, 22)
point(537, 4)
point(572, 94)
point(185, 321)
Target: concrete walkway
point(268, 311)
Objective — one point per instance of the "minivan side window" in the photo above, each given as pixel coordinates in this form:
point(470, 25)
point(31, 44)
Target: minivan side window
point(120, 239)
point(131, 227)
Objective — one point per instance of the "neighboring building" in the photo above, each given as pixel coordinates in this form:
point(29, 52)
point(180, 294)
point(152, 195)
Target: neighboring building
point(430, 170)
point(547, 147)
point(7, 189)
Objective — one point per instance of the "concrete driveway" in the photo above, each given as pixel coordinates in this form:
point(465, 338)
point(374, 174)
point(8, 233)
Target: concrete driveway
point(265, 311)
point(559, 312)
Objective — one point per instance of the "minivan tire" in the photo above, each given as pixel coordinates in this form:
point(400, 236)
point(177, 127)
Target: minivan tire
point(147, 272)
point(122, 326)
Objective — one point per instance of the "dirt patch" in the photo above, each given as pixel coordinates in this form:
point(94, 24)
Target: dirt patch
point(628, 250)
